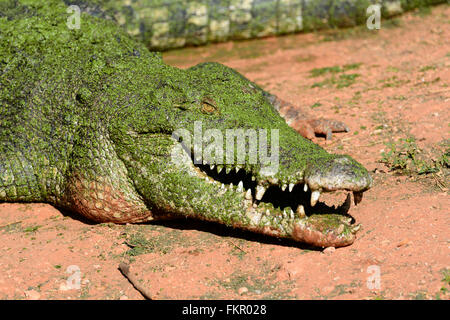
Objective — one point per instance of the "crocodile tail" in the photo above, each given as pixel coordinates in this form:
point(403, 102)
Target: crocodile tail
point(167, 24)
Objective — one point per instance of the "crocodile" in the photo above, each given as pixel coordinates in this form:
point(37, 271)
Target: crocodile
point(93, 122)
point(166, 24)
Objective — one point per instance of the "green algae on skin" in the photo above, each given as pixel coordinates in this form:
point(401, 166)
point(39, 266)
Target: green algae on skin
point(87, 117)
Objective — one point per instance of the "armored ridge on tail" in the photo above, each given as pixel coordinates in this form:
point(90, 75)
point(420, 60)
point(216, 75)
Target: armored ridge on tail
point(165, 24)
point(87, 123)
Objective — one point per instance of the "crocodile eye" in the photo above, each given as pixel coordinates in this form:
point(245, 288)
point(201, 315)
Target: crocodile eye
point(209, 106)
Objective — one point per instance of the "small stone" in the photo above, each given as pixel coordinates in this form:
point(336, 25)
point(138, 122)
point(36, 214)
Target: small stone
point(32, 294)
point(242, 290)
point(64, 287)
point(327, 290)
point(404, 242)
point(329, 250)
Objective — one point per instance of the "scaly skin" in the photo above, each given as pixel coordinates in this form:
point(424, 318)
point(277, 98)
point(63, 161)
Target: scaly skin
point(165, 24)
point(87, 120)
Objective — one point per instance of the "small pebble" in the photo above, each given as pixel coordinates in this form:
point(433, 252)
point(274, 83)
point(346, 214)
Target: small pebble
point(64, 287)
point(327, 290)
point(403, 243)
point(242, 290)
point(329, 250)
point(32, 294)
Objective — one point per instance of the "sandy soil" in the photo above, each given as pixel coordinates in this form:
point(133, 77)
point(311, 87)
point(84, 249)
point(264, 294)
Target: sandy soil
point(391, 84)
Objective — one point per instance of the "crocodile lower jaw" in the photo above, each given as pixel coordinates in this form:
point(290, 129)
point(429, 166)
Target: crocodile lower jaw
point(286, 201)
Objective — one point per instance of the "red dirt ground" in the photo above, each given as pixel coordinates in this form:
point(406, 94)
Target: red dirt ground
point(401, 89)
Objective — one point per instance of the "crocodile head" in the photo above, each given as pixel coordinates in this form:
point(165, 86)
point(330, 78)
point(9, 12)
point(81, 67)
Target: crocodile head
point(127, 138)
point(224, 154)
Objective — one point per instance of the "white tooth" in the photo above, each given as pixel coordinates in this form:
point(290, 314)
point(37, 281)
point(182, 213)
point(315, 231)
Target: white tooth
point(237, 169)
point(240, 187)
point(248, 194)
point(291, 213)
point(305, 187)
point(260, 192)
point(284, 213)
point(301, 211)
point(227, 170)
point(212, 167)
point(315, 195)
point(291, 186)
point(253, 178)
point(219, 169)
point(355, 228)
point(283, 187)
point(231, 185)
point(222, 186)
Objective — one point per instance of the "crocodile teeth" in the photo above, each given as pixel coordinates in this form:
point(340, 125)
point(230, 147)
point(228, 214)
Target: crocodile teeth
point(357, 197)
point(227, 170)
point(305, 187)
point(240, 187)
point(315, 195)
point(253, 178)
point(219, 169)
point(291, 186)
point(291, 213)
point(283, 187)
point(237, 169)
point(248, 194)
point(212, 167)
point(260, 190)
point(301, 211)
